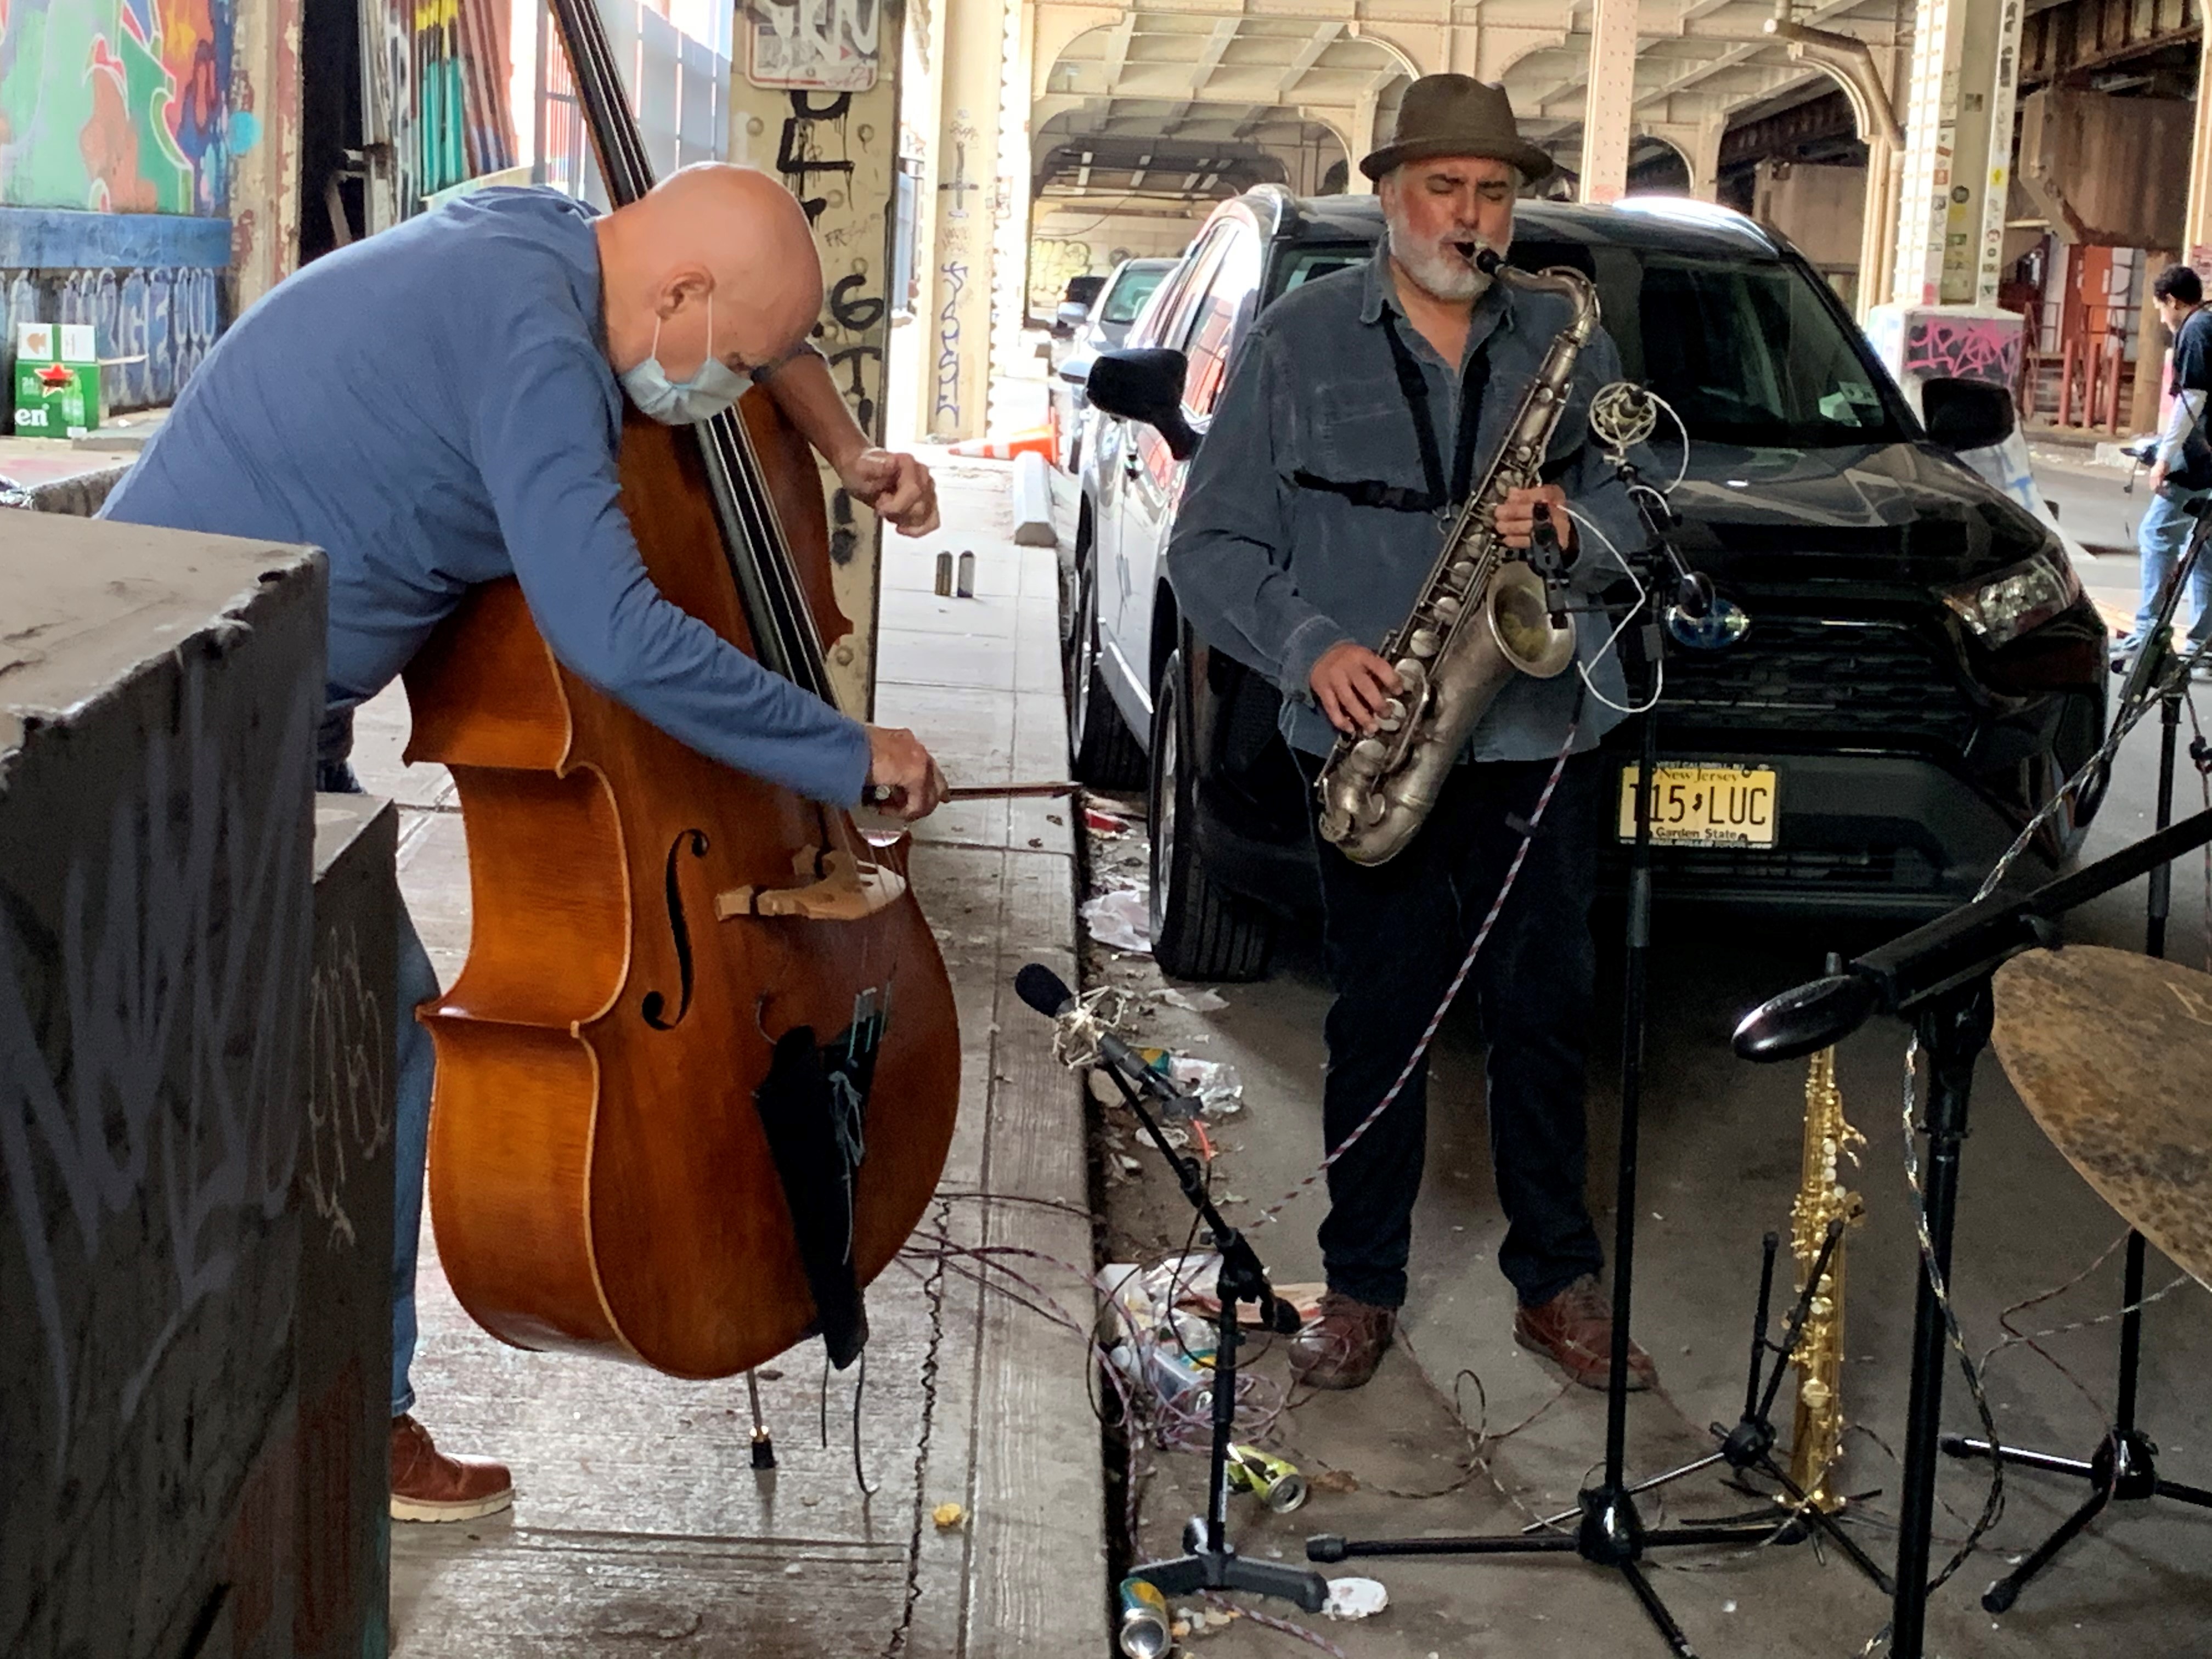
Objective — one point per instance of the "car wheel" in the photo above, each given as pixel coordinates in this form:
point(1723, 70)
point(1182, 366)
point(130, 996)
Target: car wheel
point(1200, 929)
point(1101, 748)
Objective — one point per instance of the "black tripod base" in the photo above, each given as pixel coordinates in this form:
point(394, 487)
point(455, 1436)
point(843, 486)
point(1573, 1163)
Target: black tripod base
point(1608, 1533)
point(1225, 1570)
point(2122, 1470)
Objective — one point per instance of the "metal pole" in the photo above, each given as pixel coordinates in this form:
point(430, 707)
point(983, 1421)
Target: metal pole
point(1953, 1030)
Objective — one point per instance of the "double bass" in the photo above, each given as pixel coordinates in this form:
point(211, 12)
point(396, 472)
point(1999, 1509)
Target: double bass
point(697, 1080)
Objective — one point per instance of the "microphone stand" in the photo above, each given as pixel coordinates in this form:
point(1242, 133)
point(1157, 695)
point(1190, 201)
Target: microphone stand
point(1211, 1562)
point(1939, 978)
point(2124, 1468)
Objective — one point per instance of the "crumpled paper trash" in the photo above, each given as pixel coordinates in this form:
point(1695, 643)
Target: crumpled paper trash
point(1121, 919)
point(1355, 1598)
point(1198, 1002)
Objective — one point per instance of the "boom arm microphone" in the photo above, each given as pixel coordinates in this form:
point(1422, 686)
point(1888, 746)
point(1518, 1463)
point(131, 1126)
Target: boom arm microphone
point(1047, 993)
point(1242, 1278)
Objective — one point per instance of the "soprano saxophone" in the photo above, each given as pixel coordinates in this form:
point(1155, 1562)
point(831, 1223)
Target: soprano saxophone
point(1816, 1439)
point(1480, 619)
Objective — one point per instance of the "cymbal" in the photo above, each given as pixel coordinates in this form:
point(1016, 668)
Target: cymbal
point(2112, 1053)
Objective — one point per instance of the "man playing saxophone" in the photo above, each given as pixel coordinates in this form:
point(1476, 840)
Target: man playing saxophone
point(1359, 409)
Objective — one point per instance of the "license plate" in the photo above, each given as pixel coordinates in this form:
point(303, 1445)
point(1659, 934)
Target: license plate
point(1704, 806)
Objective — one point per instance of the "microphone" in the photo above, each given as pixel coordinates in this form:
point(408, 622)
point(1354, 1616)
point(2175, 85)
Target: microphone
point(1047, 993)
point(1242, 1278)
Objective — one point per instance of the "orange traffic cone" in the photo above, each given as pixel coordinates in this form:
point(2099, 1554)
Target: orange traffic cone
point(1040, 439)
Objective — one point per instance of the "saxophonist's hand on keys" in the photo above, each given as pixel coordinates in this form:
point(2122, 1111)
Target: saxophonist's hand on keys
point(1515, 517)
point(1352, 684)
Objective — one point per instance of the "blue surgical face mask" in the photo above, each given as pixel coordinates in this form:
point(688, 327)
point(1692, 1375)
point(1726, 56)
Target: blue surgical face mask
point(715, 388)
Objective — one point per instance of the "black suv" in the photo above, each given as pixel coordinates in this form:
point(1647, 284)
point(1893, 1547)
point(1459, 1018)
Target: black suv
point(1920, 672)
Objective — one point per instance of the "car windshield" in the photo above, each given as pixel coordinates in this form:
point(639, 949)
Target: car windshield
point(1745, 350)
point(1297, 266)
point(1126, 297)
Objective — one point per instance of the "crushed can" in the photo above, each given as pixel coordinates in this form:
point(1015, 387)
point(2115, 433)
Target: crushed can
point(1276, 1482)
point(1144, 1631)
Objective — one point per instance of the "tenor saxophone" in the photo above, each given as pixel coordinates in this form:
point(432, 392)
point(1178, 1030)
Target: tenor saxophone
point(1817, 1437)
point(1480, 619)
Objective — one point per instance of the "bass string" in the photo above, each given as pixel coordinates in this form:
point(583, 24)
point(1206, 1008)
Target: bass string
point(754, 543)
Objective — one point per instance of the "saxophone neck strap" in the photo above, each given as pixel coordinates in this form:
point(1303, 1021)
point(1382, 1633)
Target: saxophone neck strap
point(1474, 380)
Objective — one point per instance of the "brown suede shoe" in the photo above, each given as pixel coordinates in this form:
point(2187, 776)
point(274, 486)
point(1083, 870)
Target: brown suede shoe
point(1342, 1343)
point(1575, 1330)
point(429, 1486)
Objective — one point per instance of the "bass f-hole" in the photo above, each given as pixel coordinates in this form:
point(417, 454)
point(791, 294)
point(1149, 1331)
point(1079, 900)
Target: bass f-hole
point(655, 1005)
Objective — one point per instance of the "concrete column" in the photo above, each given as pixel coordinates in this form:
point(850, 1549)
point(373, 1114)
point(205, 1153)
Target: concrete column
point(1958, 152)
point(1010, 211)
point(834, 144)
point(957, 259)
point(1360, 140)
point(1609, 101)
point(264, 181)
point(1699, 144)
point(2196, 222)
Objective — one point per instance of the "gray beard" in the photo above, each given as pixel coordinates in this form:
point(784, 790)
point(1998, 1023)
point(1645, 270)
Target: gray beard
point(1442, 274)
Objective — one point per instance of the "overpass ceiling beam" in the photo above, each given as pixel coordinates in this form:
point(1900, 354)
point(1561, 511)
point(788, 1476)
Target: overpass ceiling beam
point(1215, 49)
point(1309, 55)
point(1117, 47)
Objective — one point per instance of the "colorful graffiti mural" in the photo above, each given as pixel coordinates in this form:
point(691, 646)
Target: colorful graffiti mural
point(116, 105)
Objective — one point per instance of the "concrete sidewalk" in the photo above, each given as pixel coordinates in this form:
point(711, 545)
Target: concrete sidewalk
point(639, 1524)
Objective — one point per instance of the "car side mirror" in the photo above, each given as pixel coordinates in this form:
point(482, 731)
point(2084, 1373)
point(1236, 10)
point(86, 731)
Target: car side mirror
point(1069, 318)
point(1144, 383)
point(1964, 414)
point(1076, 371)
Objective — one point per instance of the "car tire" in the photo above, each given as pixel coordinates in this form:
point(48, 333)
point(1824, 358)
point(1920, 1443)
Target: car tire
point(1101, 750)
point(1200, 929)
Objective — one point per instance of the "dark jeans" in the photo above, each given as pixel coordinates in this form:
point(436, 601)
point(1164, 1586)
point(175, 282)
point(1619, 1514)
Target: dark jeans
point(1394, 935)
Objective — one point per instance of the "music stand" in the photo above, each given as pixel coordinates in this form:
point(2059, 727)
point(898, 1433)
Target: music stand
point(2125, 1466)
point(1939, 976)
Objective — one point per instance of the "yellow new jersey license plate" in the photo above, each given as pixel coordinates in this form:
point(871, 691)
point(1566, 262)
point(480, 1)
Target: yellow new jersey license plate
point(1704, 806)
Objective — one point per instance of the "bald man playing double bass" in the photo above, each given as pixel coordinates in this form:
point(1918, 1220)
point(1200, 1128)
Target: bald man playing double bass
point(441, 406)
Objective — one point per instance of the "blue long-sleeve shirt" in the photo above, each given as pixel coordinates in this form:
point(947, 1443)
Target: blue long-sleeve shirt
point(434, 408)
point(1276, 573)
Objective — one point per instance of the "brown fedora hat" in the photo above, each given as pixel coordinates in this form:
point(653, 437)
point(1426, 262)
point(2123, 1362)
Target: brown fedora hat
point(1456, 115)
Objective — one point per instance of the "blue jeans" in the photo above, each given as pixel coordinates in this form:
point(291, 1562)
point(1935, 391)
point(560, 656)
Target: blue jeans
point(2164, 533)
point(417, 982)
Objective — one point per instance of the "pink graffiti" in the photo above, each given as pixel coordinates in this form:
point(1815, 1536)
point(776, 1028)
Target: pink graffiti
point(1968, 347)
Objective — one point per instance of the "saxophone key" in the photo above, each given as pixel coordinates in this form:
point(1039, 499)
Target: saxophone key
point(1423, 643)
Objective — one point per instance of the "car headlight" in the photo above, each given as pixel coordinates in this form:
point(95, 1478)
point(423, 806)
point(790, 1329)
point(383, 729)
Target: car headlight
point(2001, 608)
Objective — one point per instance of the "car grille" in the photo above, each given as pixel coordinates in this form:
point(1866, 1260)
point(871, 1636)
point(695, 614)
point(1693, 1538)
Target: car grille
point(1862, 680)
point(1892, 869)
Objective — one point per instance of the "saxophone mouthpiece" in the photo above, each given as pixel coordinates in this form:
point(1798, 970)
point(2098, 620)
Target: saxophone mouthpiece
point(1478, 254)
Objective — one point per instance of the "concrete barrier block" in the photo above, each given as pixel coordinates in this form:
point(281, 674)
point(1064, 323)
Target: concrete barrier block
point(159, 695)
point(1033, 500)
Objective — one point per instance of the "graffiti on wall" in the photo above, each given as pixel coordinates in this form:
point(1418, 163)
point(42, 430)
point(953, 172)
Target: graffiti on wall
point(117, 106)
point(1053, 260)
point(945, 409)
point(154, 327)
point(1969, 348)
point(825, 45)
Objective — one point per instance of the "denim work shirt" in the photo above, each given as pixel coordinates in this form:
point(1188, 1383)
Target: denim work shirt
point(1277, 574)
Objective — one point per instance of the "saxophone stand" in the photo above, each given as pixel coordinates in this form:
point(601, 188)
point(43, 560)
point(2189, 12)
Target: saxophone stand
point(1748, 1446)
point(2124, 1468)
point(1608, 1532)
point(1939, 978)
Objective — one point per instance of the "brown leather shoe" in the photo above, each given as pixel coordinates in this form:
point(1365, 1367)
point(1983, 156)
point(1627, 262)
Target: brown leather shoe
point(1574, 1329)
point(1342, 1343)
point(429, 1486)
